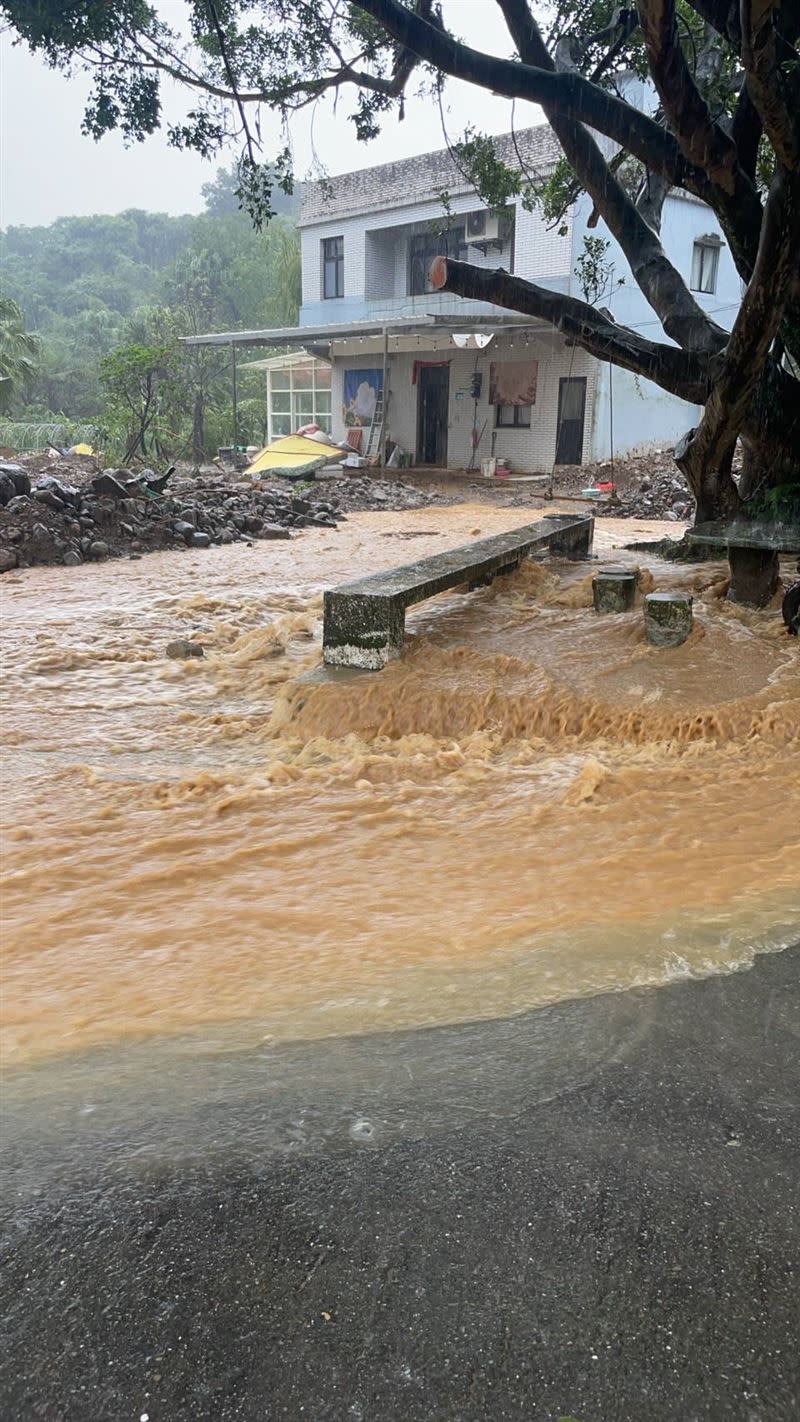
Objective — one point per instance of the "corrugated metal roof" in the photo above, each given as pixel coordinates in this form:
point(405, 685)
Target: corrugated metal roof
point(304, 336)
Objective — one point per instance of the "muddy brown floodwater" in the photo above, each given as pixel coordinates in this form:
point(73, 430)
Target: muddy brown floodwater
point(534, 804)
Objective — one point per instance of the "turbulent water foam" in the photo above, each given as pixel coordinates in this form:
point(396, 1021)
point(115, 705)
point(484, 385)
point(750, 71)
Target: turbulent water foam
point(533, 804)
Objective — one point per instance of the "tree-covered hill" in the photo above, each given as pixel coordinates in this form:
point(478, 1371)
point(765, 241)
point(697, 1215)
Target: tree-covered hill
point(87, 285)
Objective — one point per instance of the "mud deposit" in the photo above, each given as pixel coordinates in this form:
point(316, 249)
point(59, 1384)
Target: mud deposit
point(533, 805)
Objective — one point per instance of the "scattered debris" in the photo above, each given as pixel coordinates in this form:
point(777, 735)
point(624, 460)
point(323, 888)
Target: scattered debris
point(644, 486)
point(67, 518)
point(182, 649)
point(87, 514)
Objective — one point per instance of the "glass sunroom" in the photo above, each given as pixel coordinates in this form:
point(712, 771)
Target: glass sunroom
point(298, 392)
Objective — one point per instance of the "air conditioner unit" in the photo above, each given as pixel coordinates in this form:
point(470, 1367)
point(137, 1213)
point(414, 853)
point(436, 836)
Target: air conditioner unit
point(485, 227)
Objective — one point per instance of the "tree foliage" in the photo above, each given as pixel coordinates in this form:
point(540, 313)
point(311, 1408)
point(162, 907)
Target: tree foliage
point(89, 285)
point(19, 353)
point(139, 381)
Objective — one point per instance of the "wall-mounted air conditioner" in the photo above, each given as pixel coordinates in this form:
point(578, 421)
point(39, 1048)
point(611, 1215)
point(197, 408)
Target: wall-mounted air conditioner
point(484, 227)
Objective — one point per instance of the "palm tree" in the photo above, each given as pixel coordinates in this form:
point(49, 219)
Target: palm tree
point(19, 351)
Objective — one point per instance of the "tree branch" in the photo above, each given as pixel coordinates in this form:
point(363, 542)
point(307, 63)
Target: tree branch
point(633, 130)
point(308, 89)
point(681, 316)
point(684, 373)
point(746, 131)
point(701, 139)
point(731, 396)
point(763, 56)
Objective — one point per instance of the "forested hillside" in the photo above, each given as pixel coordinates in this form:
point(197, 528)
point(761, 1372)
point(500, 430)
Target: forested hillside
point(90, 287)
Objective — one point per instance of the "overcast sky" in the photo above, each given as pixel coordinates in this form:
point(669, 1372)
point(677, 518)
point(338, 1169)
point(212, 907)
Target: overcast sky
point(50, 170)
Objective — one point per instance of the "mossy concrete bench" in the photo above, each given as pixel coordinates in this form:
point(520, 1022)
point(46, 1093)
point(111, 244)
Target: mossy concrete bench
point(752, 548)
point(364, 621)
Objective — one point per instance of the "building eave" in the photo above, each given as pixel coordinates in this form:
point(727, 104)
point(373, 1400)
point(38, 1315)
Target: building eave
point(305, 336)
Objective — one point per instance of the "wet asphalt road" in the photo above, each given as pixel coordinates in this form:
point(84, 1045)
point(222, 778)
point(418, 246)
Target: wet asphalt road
point(589, 1212)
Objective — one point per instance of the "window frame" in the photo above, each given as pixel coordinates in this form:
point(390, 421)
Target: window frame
point(332, 261)
point(516, 423)
point(294, 391)
point(702, 250)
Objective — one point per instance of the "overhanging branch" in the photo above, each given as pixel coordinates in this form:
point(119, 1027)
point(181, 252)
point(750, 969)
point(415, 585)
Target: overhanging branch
point(683, 373)
point(633, 130)
point(683, 319)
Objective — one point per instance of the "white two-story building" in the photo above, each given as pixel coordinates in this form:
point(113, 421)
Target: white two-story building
point(451, 381)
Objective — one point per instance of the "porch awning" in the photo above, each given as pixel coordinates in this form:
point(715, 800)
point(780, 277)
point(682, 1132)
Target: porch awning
point(308, 336)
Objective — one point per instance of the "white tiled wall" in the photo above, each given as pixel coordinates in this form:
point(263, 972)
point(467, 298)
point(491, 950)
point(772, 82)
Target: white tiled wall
point(376, 265)
point(530, 451)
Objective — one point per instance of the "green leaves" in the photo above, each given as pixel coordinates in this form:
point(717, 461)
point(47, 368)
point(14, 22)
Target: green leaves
point(91, 284)
point(594, 272)
point(19, 353)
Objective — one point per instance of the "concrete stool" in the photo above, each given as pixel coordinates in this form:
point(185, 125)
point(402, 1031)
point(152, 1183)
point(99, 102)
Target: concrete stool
point(667, 618)
point(613, 590)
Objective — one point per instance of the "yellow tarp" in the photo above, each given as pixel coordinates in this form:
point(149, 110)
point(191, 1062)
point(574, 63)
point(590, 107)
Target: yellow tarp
point(293, 452)
point(81, 449)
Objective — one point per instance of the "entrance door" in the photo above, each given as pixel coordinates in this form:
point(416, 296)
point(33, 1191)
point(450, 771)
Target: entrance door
point(433, 401)
point(571, 411)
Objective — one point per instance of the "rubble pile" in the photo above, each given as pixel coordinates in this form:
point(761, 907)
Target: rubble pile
point(647, 486)
point(84, 513)
point(360, 492)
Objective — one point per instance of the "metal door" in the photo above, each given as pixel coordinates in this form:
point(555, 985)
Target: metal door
point(571, 412)
point(433, 402)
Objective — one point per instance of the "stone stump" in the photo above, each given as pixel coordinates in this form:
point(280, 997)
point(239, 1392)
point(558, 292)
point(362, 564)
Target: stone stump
point(667, 618)
point(614, 590)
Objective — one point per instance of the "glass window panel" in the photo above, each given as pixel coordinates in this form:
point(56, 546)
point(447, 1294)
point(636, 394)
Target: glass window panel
point(332, 267)
point(281, 425)
point(705, 261)
point(513, 416)
point(303, 377)
point(323, 401)
point(322, 377)
point(281, 380)
point(281, 402)
point(304, 403)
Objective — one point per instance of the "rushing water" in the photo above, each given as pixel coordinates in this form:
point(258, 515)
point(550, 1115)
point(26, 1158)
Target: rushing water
point(534, 804)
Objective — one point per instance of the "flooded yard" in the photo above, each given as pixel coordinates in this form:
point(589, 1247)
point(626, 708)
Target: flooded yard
point(532, 805)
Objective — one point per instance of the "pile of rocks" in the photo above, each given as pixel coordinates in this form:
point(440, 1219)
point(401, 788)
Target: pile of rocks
point(660, 495)
point(647, 486)
point(84, 513)
point(360, 492)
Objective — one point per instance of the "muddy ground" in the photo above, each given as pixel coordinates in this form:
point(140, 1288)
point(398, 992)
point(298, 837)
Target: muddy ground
point(72, 510)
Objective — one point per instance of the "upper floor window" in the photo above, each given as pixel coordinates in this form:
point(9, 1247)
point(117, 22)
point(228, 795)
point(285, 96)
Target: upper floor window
point(705, 263)
point(332, 266)
point(423, 247)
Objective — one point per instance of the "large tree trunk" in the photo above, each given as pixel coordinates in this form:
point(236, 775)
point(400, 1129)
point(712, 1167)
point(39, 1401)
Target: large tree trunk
point(755, 573)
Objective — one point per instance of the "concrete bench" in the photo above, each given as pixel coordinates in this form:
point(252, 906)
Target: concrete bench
point(771, 537)
point(752, 549)
point(364, 621)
